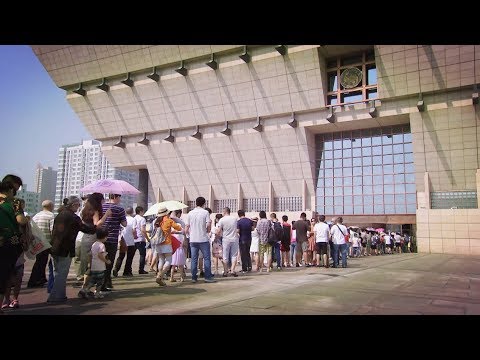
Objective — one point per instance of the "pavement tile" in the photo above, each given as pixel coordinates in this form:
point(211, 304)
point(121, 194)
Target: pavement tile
point(380, 285)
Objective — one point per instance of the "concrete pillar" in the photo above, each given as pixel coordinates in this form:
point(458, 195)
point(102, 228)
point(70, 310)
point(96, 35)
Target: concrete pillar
point(478, 188)
point(304, 195)
point(240, 197)
point(159, 195)
point(210, 198)
point(183, 198)
point(270, 196)
point(426, 181)
point(142, 198)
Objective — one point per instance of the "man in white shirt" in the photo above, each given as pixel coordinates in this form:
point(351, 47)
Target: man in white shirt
point(128, 237)
point(198, 227)
point(322, 235)
point(140, 236)
point(338, 232)
point(227, 229)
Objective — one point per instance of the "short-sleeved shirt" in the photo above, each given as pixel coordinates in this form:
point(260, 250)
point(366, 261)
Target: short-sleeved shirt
point(322, 232)
point(127, 232)
point(302, 226)
point(228, 224)
point(139, 222)
point(97, 264)
point(262, 228)
point(44, 220)
point(245, 226)
point(338, 237)
point(112, 223)
point(167, 224)
point(198, 219)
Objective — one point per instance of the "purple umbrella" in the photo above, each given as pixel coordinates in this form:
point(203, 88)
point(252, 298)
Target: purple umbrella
point(110, 186)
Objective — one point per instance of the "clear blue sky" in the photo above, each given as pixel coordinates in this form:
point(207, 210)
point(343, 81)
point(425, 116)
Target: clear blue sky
point(35, 116)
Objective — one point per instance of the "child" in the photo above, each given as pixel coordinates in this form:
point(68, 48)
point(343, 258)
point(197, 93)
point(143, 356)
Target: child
point(15, 282)
point(178, 258)
point(97, 268)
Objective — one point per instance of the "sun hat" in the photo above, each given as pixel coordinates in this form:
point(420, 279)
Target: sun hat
point(162, 211)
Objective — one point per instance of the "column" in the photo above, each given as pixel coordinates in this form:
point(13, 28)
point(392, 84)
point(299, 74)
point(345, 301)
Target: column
point(142, 198)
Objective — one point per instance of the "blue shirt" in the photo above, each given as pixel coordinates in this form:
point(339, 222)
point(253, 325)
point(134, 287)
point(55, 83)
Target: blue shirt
point(245, 226)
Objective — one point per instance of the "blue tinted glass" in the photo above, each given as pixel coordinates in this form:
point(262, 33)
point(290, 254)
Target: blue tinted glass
point(372, 76)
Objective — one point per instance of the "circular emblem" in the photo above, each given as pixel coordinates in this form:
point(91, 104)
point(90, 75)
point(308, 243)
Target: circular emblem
point(351, 77)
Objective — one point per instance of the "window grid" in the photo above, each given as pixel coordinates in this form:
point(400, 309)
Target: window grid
point(288, 203)
point(366, 172)
point(219, 205)
point(256, 204)
point(454, 199)
point(336, 93)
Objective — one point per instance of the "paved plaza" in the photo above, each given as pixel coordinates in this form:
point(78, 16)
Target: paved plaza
point(409, 284)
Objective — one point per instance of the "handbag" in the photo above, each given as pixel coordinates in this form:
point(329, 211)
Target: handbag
point(347, 237)
point(38, 241)
point(159, 237)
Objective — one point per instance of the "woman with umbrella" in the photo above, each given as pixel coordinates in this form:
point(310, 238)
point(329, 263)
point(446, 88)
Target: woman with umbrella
point(164, 250)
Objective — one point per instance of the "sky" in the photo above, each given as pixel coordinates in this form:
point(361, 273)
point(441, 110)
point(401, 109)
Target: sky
point(35, 116)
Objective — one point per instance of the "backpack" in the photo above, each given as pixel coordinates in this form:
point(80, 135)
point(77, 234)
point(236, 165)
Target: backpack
point(275, 233)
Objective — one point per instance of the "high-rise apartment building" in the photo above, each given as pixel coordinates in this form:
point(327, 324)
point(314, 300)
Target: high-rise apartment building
point(82, 164)
point(45, 182)
point(32, 200)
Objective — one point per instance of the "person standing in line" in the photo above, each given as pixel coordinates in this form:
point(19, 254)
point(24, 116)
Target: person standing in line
point(286, 240)
point(66, 226)
point(302, 226)
point(44, 220)
point(338, 232)
point(227, 228)
point(216, 243)
point(264, 248)
point(112, 224)
point(293, 244)
point(178, 258)
point(255, 240)
point(244, 230)
point(322, 235)
point(278, 230)
point(91, 214)
point(11, 216)
point(198, 226)
point(127, 236)
point(97, 270)
point(140, 237)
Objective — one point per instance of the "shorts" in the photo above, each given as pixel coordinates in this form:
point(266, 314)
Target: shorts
point(321, 248)
point(264, 249)
point(302, 246)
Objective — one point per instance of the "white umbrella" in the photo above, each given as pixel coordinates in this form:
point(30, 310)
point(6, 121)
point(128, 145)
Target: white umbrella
point(171, 205)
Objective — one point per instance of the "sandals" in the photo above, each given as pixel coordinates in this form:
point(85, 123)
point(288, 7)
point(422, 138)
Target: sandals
point(12, 305)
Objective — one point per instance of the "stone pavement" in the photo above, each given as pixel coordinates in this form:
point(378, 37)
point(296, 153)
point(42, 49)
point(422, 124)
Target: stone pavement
point(420, 284)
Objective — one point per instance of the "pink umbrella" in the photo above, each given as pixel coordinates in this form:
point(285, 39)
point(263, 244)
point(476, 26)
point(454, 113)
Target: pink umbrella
point(110, 186)
point(380, 230)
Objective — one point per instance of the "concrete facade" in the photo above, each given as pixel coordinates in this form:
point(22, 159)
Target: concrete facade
point(278, 162)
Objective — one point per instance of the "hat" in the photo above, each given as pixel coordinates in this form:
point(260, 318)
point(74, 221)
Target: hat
point(162, 211)
point(255, 218)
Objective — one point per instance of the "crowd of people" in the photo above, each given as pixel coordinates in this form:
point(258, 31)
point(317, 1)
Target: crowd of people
point(93, 230)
